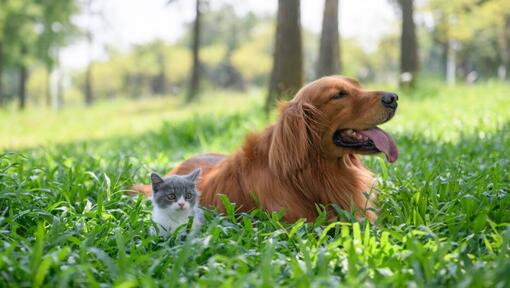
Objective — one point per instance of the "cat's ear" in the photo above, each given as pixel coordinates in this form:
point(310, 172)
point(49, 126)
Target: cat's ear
point(156, 181)
point(193, 176)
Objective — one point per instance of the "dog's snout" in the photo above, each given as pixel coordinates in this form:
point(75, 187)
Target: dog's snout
point(389, 100)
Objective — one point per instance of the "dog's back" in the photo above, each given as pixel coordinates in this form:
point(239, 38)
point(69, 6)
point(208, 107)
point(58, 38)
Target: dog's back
point(204, 161)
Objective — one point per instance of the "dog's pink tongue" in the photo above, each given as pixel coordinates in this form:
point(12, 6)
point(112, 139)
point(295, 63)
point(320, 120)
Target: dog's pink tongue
point(383, 142)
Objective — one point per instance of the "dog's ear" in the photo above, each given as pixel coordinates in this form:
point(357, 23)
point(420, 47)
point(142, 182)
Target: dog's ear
point(291, 143)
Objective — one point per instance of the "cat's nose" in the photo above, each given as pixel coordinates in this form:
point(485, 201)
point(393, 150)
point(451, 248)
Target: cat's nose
point(181, 205)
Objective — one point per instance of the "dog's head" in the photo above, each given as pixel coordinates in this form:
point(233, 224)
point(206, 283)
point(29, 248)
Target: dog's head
point(333, 116)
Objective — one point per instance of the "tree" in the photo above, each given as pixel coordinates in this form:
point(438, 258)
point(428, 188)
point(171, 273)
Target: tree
point(495, 15)
point(504, 45)
point(12, 20)
point(1, 72)
point(329, 52)
point(57, 29)
point(194, 84)
point(287, 73)
point(23, 75)
point(3, 14)
point(18, 35)
point(30, 31)
point(462, 27)
point(88, 85)
point(408, 44)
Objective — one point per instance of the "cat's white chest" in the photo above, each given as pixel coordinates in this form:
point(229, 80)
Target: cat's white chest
point(168, 221)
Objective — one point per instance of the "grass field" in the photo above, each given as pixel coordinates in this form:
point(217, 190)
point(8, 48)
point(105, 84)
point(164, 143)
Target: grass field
point(65, 221)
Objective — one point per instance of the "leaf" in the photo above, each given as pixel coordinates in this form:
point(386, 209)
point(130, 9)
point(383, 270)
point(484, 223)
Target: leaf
point(296, 227)
point(480, 222)
point(229, 207)
point(42, 271)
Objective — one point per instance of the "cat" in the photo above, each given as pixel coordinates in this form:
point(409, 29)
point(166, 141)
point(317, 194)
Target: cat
point(175, 199)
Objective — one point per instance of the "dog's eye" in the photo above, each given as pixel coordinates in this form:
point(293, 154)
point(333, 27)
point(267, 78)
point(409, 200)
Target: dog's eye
point(340, 94)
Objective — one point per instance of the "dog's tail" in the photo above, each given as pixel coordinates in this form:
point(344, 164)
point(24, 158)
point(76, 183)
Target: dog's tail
point(140, 189)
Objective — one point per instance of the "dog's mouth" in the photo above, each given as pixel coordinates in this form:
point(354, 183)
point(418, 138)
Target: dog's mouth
point(368, 140)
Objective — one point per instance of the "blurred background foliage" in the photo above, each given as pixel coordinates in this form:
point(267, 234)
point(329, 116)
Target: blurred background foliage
point(459, 40)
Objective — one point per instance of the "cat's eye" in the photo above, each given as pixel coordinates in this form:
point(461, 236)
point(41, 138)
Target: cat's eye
point(188, 196)
point(340, 94)
point(171, 197)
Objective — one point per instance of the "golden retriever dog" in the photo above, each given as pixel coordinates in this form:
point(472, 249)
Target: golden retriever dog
point(309, 157)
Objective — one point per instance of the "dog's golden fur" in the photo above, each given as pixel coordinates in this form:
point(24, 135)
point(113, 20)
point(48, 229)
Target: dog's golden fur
point(294, 164)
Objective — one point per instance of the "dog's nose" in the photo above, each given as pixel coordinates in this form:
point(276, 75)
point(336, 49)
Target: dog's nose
point(389, 100)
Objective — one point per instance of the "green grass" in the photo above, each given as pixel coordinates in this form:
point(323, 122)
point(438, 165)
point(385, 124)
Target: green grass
point(41, 126)
point(444, 206)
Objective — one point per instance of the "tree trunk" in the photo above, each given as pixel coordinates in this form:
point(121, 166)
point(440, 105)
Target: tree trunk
point(48, 85)
point(52, 84)
point(1, 74)
point(60, 90)
point(408, 45)
point(88, 87)
point(444, 58)
point(89, 97)
point(287, 73)
point(451, 63)
point(23, 75)
point(329, 53)
point(507, 38)
point(504, 48)
point(194, 85)
point(158, 82)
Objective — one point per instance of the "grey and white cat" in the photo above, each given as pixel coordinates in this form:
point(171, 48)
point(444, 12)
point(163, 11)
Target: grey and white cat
point(174, 199)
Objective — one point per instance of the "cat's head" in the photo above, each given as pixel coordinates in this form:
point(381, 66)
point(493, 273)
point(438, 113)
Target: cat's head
point(177, 192)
